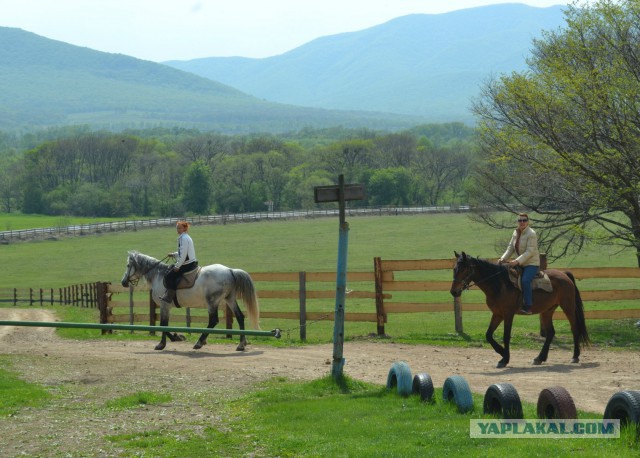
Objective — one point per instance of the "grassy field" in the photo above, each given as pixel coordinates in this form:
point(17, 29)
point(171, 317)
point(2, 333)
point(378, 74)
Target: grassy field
point(318, 418)
point(16, 222)
point(311, 245)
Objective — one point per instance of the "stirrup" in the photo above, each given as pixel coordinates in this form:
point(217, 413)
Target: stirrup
point(526, 311)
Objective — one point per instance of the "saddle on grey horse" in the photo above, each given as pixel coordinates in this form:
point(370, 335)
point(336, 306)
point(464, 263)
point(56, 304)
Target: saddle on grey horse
point(188, 279)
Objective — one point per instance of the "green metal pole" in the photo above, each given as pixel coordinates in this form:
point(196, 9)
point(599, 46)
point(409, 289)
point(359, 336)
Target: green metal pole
point(135, 327)
point(341, 287)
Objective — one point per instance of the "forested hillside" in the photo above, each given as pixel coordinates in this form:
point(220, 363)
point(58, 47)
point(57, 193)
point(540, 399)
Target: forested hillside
point(46, 83)
point(168, 172)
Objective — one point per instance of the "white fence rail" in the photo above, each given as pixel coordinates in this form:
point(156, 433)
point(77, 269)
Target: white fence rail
point(135, 225)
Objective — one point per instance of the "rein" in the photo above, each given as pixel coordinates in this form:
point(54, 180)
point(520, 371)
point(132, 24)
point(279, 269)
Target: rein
point(466, 284)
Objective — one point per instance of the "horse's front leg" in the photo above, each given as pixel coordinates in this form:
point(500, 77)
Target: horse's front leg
point(493, 325)
point(213, 320)
point(164, 321)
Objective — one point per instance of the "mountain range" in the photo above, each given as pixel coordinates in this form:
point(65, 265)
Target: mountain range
point(413, 69)
point(428, 65)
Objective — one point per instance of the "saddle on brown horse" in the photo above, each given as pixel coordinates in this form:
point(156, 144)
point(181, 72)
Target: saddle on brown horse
point(540, 281)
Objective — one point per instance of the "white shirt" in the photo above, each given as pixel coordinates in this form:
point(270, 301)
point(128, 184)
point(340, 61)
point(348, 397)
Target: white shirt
point(185, 249)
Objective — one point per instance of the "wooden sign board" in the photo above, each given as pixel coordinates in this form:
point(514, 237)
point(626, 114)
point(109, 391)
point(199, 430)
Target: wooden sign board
point(331, 193)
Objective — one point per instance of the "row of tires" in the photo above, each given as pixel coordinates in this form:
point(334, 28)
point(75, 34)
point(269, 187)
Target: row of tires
point(502, 399)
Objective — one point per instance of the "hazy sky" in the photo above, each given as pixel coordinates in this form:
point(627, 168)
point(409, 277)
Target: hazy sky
point(160, 30)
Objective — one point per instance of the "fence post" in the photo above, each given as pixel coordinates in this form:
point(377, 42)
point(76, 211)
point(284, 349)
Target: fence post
point(302, 291)
point(103, 304)
point(543, 266)
point(131, 306)
point(457, 311)
point(377, 272)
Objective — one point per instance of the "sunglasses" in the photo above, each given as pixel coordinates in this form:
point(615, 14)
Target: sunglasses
point(524, 220)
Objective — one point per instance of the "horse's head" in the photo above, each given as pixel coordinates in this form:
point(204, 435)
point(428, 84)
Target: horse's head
point(462, 273)
point(131, 274)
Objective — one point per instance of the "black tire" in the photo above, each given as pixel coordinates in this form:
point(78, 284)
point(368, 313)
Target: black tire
point(624, 406)
point(556, 403)
point(423, 385)
point(503, 399)
point(456, 389)
point(400, 377)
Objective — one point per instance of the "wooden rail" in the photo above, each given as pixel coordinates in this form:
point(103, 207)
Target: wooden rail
point(386, 272)
point(387, 289)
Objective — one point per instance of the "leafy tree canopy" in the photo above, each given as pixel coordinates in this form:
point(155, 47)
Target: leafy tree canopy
point(562, 140)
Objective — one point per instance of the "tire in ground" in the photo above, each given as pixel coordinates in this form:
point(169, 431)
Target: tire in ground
point(624, 406)
point(423, 385)
point(556, 403)
point(503, 399)
point(400, 376)
point(456, 389)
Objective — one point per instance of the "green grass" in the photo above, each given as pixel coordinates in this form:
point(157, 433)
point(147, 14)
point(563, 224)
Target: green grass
point(324, 418)
point(16, 393)
point(311, 245)
point(318, 418)
point(139, 399)
point(18, 221)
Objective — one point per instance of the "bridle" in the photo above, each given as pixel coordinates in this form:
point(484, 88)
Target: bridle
point(468, 283)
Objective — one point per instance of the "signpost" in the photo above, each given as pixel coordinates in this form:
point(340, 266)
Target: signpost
point(339, 193)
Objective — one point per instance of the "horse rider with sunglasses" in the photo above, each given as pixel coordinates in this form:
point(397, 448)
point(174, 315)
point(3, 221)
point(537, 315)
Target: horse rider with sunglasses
point(524, 243)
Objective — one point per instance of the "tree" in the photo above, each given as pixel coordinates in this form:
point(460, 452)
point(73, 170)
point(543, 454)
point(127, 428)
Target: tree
point(562, 140)
point(197, 188)
point(390, 187)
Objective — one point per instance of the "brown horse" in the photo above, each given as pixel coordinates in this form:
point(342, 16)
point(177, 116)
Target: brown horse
point(503, 299)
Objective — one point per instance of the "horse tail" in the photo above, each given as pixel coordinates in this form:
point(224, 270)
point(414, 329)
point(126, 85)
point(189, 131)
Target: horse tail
point(581, 324)
point(246, 291)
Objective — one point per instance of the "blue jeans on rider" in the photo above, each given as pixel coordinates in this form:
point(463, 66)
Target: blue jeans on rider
point(528, 272)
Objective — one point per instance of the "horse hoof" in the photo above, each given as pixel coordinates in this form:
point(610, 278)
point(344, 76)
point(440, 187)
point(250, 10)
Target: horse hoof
point(536, 362)
point(501, 364)
point(575, 360)
point(199, 345)
point(240, 348)
point(159, 347)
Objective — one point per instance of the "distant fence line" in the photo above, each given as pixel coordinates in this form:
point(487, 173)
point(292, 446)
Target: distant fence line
point(135, 225)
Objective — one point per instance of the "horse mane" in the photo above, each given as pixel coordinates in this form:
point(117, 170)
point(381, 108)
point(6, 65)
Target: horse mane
point(496, 275)
point(147, 264)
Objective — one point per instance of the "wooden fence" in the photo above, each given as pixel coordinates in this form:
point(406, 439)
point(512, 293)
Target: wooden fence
point(394, 286)
point(386, 272)
point(273, 288)
point(81, 295)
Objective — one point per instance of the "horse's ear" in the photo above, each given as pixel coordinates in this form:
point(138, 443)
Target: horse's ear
point(455, 253)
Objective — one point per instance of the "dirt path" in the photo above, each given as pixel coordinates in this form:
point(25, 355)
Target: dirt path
point(104, 369)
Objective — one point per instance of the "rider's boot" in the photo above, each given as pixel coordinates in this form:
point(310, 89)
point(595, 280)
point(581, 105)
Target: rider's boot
point(169, 295)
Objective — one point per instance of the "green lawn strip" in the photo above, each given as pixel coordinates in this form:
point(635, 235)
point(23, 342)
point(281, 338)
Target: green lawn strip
point(322, 418)
point(15, 393)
